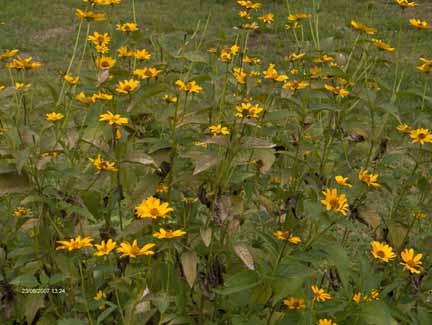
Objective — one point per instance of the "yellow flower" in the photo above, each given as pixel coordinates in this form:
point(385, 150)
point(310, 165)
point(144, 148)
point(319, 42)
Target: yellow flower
point(127, 27)
point(99, 39)
point(87, 100)
point(369, 179)
point(382, 251)
point(23, 64)
point(251, 60)
point(169, 99)
point(8, 54)
point(299, 16)
point(74, 243)
point(53, 154)
point(247, 110)
point(70, 79)
point(292, 25)
point(418, 23)
point(295, 303)
point(153, 208)
point(101, 164)
point(22, 86)
point(426, 68)
point(189, 87)
point(19, 212)
point(382, 45)
point(342, 181)
point(357, 297)
point(315, 70)
point(127, 86)
point(421, 136)
point(249, 4)
point(404, 128)
point(406, 3)
point(126, 249)
point(219, 129)
point(320, 294)
point(359, 26)
point(338, 91)
point(287, 236)
point(272, 73)
point(296, 56)
point(102, 96)
point(54, 116)
point(113, 119)
point(240, 75)
point(105, 247)
point(147, 73)
point(100, 295)
point(124, 52)
point(162, 188)
point(105, 62)
point(89, 15)
point(325, 321)
point(227, 53)
point(334, 202)
point(421, 215)
point(295, 85)
point(324, 59)
point(168, 234)
point(267, 19)
point(142, 55)
point(411, 261)
point(2, 87)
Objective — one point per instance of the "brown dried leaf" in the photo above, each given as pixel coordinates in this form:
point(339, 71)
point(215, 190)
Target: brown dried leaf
point(189, 261)
point(244, 254)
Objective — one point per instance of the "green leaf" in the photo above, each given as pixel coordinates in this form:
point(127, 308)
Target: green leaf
point(239, 282)
point(376, 313)
point(33, 303)
point(25, 281)
point(105, 314)
point(71, 321)
point(196, 57)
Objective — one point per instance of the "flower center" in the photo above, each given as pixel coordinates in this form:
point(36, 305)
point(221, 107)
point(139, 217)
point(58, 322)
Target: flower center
point(381, 254)
point(154, 211)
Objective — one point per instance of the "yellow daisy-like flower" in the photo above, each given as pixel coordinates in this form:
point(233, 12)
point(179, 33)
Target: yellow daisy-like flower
point(162, 188)
point(124, 52)
point(342, 181)
point(23, 64)
point(102, 96)
point(325, 321)
point(170, 99)
point(369, 179)
point(267, 19)
point(382, 251)
point(374, 295)
point(295, 85)
point(287, 236)
point(419, 24)
point(334, 202)
point(421, 215)
point(54, 116)
point(190, 87)
point(127, 27)
point(126, 249)
point(168, 234)
point(247, 110)
point(101, 164)
point(299, 16)
point(100, 295)
point(127, 86)
point(272, 73)
point(240, 75)
point(90, 15)
point(411, 261)
point(404, 128)
point(249, 4)
point(219, 129)
point(74, 243)
point(295, 303)
point(105, 62)
point(113, 119)
point(421, 136)
point(70, 79)
point(105, 247)
point(359, 26)
point(357, 297)
point(295, 56)
point(8, 54)
point(99, 39)
point(21, 211)
point(320, 294)
point(426, 68)
point(87, 100)
point(153, 208)
point(382, 45)
point(142, 55)
point(406, 3)
point(338, 91)
point(22, 86)
point(147, 73)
